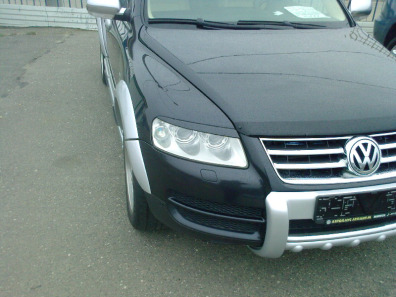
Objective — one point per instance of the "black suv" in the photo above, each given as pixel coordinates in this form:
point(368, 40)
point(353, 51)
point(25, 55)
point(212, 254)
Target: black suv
point(385, 26)
point(268, 123)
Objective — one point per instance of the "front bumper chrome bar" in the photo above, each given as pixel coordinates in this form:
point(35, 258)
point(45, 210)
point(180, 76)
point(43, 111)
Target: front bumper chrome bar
point(284, 206)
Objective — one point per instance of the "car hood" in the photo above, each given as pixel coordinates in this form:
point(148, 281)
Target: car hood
point(287, 82)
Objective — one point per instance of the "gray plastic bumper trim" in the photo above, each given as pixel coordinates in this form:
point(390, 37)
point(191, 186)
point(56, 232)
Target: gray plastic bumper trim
point(284, 206)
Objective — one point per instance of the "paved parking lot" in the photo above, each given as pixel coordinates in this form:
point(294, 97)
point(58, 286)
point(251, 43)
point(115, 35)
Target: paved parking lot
point(63, 224)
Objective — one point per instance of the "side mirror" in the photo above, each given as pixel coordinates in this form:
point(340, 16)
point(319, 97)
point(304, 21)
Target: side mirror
point(106, 9)
point(360, 8)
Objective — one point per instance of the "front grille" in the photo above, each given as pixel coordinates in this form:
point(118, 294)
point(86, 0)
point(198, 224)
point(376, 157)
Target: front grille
point(220, 208)
point(219, 216)
point(323, 160)
point(219, 223)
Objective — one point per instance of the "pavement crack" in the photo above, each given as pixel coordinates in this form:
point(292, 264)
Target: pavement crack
point(34, 59)
point(35, 287)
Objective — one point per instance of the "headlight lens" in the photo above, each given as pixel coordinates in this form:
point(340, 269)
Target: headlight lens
point(198, 146)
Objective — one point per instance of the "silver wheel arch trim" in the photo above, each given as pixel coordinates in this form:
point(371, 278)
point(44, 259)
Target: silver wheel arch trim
point(130, 135)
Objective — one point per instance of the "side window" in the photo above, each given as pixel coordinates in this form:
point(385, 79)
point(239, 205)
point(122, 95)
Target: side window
point(126, 3)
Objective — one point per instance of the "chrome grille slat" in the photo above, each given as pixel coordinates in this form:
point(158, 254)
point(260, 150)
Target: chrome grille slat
point(388, 160)
point(310, 152)
point(323, 160)
point(302, 166)
point(387, 146)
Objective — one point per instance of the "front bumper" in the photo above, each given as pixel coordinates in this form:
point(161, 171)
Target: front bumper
point(212, 202)
point(281, 207)
point(238, 206)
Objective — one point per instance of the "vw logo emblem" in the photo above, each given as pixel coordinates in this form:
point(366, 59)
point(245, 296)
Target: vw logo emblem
point(364, 155)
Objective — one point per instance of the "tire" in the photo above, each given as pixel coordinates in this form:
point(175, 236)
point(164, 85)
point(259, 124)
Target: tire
point(103, 69)
point(138, 210)
point(392, 46)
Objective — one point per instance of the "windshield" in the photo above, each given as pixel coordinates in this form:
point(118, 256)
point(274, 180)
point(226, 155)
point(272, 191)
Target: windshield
point(234, 11)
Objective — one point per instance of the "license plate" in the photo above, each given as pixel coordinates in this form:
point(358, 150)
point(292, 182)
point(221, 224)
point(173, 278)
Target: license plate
point(355, 208)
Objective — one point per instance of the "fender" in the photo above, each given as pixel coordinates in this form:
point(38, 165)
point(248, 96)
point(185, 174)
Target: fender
point(102, 24)
point(126, 119)
point(102, 36)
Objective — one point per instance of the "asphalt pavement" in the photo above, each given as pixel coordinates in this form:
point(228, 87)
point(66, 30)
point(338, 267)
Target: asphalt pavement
point(63, 224)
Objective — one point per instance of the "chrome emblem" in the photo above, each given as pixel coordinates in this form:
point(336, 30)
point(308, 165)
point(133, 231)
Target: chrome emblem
point(364, 155)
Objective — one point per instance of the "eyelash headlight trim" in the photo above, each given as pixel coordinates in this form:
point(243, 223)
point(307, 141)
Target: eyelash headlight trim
point(198, 146)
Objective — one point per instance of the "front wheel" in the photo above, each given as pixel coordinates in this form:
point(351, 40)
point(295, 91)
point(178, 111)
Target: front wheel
point(392, 46)
point(138, 210)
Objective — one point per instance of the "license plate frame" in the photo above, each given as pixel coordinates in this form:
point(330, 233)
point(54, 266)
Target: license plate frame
point(354, 208)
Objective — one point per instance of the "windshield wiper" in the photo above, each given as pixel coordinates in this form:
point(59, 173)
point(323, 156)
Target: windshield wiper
point(203, 24)
point(281, 24)
point(198, 22)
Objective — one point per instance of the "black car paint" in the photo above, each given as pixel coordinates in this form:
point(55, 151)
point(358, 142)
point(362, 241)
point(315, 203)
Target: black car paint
point(287, 82)
point(191, 112)
point(163, 85)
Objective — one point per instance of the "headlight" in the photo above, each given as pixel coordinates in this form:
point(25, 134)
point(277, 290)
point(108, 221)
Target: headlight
point(198, 146)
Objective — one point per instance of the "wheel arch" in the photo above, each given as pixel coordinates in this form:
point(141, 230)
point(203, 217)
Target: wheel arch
point(125, 112)
point(129, 132)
